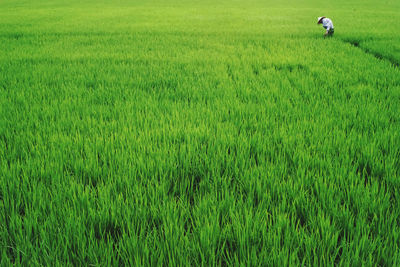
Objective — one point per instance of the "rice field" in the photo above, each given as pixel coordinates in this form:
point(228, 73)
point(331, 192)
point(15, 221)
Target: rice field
point(199, 133)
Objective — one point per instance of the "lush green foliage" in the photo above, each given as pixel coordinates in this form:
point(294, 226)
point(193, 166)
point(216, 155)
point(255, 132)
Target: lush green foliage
point(202, 133)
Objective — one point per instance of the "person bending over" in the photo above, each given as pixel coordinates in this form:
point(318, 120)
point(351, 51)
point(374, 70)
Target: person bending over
point(327, 24)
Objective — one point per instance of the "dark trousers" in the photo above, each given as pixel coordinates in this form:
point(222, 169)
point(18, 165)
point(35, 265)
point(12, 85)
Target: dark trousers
point(331, 32)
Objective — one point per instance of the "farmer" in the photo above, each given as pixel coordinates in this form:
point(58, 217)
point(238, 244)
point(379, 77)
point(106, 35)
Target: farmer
point(327, 24)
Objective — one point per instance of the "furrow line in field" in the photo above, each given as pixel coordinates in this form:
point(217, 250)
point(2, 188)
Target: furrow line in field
point(377, 55)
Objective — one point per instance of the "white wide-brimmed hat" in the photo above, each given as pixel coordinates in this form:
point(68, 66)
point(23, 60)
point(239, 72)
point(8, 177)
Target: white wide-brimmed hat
point(320, 18)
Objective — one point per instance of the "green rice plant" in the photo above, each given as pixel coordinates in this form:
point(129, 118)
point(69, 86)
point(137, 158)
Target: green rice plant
point(199, 133)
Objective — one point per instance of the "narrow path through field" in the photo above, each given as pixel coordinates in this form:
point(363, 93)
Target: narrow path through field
point(377, 55)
